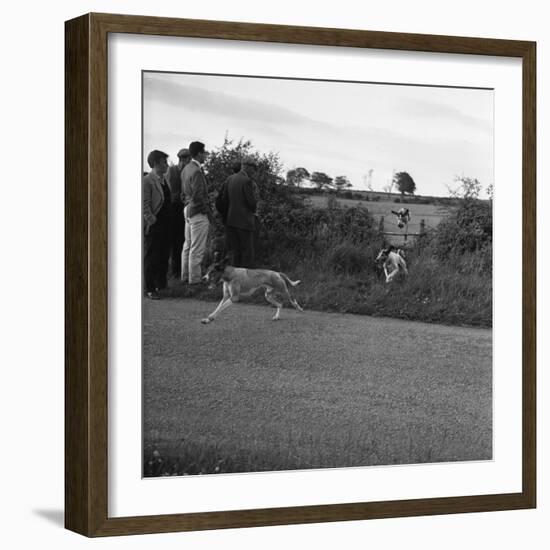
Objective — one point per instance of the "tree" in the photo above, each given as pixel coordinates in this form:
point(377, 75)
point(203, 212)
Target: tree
point(467, 188)
point(388, 187)
point(367, 180)
point(404, 183)
point(219, 166)
point(341, 182)
point(490, 191)
point(296, 176)
point(321, 180)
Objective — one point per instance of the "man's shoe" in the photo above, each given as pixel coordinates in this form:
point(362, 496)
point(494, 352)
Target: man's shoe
point(153, 295)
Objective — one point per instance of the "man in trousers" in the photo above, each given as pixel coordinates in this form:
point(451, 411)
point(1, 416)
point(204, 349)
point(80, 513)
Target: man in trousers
point(241, 197)
point(156, 224)
point(197, 213)
point(177, 221)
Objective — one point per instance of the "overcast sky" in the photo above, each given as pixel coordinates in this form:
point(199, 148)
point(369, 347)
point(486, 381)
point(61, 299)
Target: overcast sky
point(339, 128)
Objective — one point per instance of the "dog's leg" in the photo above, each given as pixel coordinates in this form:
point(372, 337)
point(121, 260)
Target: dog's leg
point(386, 273)
point(282, 288)
point(392, 275)
point(224, 304)
point(271, 299)
point(294, 303)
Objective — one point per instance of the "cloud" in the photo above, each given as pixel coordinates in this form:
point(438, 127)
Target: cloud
point(265, 118)
point(446, 113)
point(262, 114)
point(198, 99)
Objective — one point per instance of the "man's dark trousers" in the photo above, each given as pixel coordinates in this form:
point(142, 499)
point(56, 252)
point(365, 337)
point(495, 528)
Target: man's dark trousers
point(241, 245)
point(156, 252)
point(177, 237)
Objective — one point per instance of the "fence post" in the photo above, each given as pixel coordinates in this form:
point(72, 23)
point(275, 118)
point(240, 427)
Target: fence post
point(381, 225)
point(422, 227)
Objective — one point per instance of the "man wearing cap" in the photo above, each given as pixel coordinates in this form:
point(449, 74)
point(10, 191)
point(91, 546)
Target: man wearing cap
point(197, 213)
point(240, 198)
point(221, 199)
point(177, 221)
point(156, 223)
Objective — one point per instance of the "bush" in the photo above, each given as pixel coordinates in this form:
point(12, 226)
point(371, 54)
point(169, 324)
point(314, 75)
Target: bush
point(469, 229)
point(347, 258)
point(292, 235)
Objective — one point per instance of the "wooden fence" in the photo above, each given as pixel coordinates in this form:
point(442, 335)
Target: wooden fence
point(404, 234)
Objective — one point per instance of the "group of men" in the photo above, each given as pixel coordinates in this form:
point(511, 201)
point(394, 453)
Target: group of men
point(177, 216)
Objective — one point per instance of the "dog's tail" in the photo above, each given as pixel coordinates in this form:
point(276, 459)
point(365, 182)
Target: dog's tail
point(291, 283)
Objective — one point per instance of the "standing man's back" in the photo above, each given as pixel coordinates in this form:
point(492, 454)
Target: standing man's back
point(241, 203)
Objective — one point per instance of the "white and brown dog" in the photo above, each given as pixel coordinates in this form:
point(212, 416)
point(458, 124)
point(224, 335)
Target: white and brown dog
point(403, 217)
point(239, 281)
point(393, 261)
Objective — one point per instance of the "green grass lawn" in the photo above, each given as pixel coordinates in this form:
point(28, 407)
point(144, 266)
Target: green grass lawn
point(314, 390)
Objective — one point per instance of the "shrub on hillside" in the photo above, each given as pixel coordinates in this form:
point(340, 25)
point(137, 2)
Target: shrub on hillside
point(348, 258)
point(289, 233)
point(468, 229)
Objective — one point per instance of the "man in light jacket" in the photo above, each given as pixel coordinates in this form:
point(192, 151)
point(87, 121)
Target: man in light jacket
point(197, 213)
point(156, 224)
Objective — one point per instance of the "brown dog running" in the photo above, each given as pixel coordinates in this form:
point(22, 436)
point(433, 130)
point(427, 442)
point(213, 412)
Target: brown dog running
point(239, 281)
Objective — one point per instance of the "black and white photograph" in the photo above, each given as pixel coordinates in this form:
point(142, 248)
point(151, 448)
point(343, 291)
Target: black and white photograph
point(317, 274)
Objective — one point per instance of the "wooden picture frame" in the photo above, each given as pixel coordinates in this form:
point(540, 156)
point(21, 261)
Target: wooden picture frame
point(86, 281)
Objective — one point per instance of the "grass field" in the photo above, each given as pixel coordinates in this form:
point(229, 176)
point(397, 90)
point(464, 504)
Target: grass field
point(432, 214)
point(314, 390)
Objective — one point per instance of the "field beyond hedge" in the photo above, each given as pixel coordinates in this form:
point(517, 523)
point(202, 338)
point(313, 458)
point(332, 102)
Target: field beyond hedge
point(432, 214)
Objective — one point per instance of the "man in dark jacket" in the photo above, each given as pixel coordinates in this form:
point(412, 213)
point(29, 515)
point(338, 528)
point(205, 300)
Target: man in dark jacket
point(240, 200)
